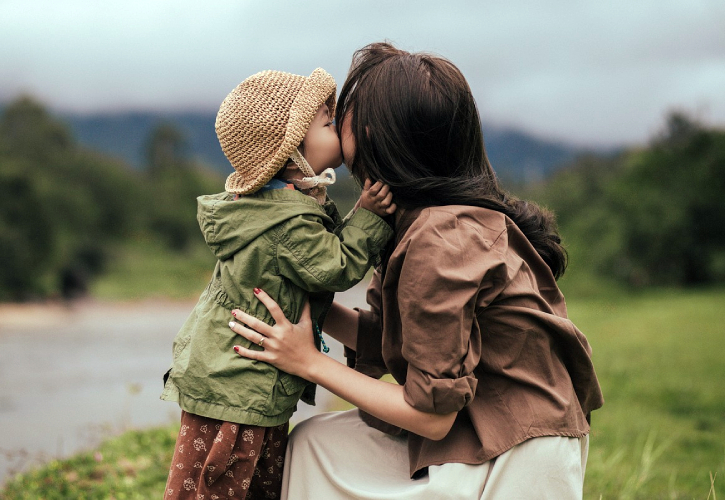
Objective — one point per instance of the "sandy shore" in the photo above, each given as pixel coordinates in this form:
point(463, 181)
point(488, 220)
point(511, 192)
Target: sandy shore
point(32, 314)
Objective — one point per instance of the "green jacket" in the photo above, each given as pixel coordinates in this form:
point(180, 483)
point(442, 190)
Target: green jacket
point(293, 248)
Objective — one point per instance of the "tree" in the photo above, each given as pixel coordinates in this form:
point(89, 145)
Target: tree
point(28, 239)
point(672, 194)
point(651, 215)
point(175, 182)
point(61, 208)
point(166, 150)
point(27, 130)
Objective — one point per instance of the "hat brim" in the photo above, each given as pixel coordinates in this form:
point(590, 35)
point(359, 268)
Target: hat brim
point(318, 89)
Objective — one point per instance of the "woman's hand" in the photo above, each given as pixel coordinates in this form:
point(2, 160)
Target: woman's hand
point(290, 347)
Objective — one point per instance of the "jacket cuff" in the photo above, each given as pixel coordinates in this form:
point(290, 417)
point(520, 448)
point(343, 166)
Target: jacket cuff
point(441, 396)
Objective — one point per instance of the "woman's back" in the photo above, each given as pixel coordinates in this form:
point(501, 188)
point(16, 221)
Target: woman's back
point(468, 317)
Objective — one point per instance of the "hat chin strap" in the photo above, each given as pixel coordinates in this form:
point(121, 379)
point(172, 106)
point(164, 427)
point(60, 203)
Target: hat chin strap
point(317, 184)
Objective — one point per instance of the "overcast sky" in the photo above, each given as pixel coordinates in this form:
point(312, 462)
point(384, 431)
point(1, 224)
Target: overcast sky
point(589, 72)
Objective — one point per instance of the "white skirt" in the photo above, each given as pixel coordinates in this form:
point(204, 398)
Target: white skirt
point(337, 456)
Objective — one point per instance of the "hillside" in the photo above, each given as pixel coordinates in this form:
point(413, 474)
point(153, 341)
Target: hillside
point(514, 154)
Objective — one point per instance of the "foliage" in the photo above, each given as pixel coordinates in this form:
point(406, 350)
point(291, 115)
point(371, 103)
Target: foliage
point(131, 466)
point(648, 216)
point(61, 205)
point(166, 149)
point(174, 194)
point(27, 131)
point(143, 268)
point(27, 235)
point(63, 210)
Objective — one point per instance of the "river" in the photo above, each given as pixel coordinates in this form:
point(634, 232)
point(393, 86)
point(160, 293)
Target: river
point(71, 375)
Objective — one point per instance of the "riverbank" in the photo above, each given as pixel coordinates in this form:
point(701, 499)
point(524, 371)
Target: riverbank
point(32, 314)
point(73, 374)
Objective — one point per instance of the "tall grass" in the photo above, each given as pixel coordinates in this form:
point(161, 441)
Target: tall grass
point(659, 357)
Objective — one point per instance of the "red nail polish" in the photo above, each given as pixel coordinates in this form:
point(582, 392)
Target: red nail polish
point(234, 314)
point(256, 291)
point(236, 349)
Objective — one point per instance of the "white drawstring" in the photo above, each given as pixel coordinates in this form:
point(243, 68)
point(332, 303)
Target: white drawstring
point(326, 178)
point(317, 184)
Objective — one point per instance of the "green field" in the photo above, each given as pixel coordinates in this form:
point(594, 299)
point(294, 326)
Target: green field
point(659, 357)
point(144, 268)
point(660, 435)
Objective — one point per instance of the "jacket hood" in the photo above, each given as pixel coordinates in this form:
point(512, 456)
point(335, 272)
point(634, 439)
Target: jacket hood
point(229, 225)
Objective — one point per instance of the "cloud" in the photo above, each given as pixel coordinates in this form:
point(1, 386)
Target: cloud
point(583, 71)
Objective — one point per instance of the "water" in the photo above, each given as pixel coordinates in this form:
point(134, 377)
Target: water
point(70, 376)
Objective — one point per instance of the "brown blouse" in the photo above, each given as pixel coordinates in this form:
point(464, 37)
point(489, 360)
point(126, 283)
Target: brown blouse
point(469, 319)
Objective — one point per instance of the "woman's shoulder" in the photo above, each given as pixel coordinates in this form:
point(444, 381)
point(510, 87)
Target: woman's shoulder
point(457, 222)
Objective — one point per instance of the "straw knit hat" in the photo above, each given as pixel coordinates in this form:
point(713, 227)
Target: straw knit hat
point(261, 123)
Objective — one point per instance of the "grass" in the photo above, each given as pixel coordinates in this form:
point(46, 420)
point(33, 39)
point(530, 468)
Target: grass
point(144, 268)
point(660, 435)
point(132, 466)
point(659, 357)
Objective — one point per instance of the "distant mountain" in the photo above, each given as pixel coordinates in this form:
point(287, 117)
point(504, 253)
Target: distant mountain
point(515, 155)
point(521, 157)
point(124, 135)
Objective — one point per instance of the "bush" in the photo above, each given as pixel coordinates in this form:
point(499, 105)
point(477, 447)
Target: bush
point(64, 209)
point(650, 216)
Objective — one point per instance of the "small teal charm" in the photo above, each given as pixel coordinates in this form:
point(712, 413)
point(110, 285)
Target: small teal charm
point(318, 332)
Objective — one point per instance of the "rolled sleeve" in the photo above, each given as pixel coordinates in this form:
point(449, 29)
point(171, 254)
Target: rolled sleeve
point(435, 395)
point(441, 335)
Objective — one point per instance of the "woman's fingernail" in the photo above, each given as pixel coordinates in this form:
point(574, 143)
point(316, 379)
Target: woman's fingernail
point(231, 324)
point(256, 291)
point(236, 349)
point(234, 313)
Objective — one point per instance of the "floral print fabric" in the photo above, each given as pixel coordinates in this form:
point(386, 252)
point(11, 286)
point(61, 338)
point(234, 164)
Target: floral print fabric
point(215, 460)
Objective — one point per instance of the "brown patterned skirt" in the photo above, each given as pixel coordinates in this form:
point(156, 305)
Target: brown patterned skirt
point(216, 460)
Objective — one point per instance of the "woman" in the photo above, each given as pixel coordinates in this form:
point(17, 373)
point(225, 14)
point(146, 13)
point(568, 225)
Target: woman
point(495, 384)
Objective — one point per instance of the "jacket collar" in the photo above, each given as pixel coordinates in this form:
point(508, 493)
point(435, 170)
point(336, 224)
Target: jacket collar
point(404, 218)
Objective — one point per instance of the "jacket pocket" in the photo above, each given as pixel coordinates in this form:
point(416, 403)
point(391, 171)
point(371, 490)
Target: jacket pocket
point(291, 385)
point(181, 345)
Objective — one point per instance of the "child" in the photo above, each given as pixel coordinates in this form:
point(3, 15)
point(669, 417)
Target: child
point(273, 228)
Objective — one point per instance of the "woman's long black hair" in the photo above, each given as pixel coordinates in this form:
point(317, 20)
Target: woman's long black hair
point(417, 128)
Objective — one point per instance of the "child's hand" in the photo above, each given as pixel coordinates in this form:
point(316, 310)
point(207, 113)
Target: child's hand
point(377, 198)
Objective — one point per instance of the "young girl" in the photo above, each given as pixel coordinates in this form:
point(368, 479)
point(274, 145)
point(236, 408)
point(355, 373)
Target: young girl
point(273, 227)
point(495, 384)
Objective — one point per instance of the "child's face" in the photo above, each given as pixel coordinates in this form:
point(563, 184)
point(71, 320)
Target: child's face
point(322, 146)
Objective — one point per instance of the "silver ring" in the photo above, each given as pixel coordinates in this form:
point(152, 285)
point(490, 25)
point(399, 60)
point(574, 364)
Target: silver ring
point(261, 342)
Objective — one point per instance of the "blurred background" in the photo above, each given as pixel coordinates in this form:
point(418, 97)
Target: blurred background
point(611, 114)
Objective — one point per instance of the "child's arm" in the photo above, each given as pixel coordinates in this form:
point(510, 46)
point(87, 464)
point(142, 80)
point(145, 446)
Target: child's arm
point(316, 260)
point(341, 324)
point(289, 347)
